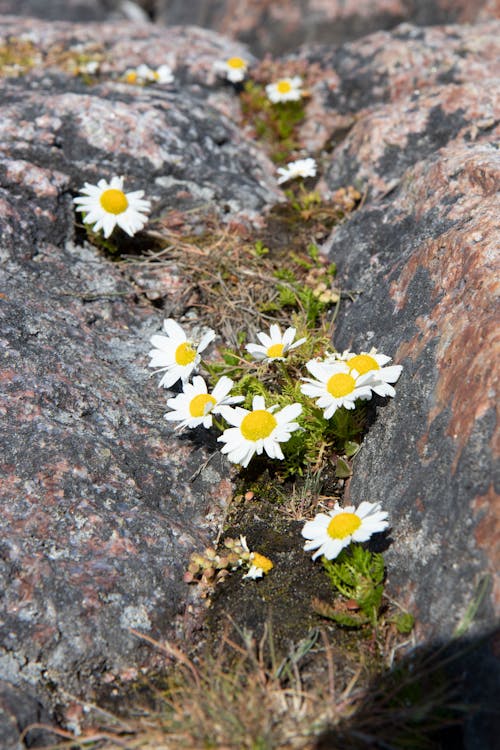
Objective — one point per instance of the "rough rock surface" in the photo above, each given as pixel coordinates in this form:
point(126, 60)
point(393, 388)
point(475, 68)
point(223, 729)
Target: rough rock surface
point(349, 82)
point(268, 25)
point(99, 510)
point(278, 27)
point(423, 251)
point(78, 10)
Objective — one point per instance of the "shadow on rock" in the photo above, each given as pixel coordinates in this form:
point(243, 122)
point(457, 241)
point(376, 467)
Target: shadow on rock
point(443, 696)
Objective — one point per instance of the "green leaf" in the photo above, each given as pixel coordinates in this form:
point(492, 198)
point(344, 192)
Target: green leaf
point(351, 448)
point(404, 623)
point(342, 469)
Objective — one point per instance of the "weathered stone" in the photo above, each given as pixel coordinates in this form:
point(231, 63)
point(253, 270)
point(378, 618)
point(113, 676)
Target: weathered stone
point(423, 252)
point(100, 508)
point(278, 27)
point(408, 63)
point(78, 10)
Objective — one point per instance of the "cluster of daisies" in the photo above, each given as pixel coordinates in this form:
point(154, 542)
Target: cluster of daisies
point(337, 381)
point(143, 74)
point(281, 91)
point(106, 205)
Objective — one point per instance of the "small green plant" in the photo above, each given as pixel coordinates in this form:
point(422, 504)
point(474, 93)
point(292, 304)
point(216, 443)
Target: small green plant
point(358, 576)
point(17, 56)
point(275, 123)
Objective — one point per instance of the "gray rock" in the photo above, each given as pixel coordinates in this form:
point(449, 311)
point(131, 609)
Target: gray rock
point(278, 27)
point(100, 508)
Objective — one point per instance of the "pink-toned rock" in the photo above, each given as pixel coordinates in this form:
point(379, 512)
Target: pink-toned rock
point(423, 251)
point(101, 504)
point(384, 68)
point(277, 27)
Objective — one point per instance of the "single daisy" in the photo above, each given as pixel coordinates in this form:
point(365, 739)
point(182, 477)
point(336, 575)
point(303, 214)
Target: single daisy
point(257, 430)
point(195, 405)
point(234, 69)
point(274, 346)
point(300, 168)
point(372, 365)
point(105, 205)
point(163, 74)
point(175, 354)
point(336, 385)
point(285, 90)
point(88, 68)
point(329, 533)
point(131, 76)
point(259, 566)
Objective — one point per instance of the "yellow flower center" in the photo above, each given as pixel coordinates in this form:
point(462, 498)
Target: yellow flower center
point(340, 384)
point(114, 201)
point(342, 525)
point(236, 62)
point(284, 87)
point(363, 363)
point(201, 405)
point(185, 354)
point(131, 77)
point(262, 562)
point(257, 425)
point(275, 350)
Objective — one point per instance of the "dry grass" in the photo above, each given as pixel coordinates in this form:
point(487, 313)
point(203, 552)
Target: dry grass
point(242, 698)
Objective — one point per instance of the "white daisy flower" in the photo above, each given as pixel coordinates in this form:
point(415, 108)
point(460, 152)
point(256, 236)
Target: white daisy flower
point(259, 566)
point(285, 90)
point(163, 74)
point(372, 365)
point(105, 205)
point(329, 533)
point(274, 346)
point(88, 68)
point(300, 168)
point(195, 405)
point(175, 354)
point(144, 74)
point(257, 430)
point(234, 69)
point(130, 76)
point(336, 385)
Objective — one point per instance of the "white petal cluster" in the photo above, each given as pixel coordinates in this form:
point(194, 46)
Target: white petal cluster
point(344, 377)
point(258, 430)
point(259, 566)
point(373, 365)
point(275, 345)
point(175, 354)
point(144, 74)
point(106, 206)
point(285, 90)
point(335, 385)
point(329, 533)
point(195, 405)
point(234, 69)
point(300, 168)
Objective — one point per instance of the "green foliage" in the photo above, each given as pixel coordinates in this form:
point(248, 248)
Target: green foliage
point(404, 623)
point(17, 56)
point(279, 382)
point(274, 124)
point(358, 575)
point(260, 249)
